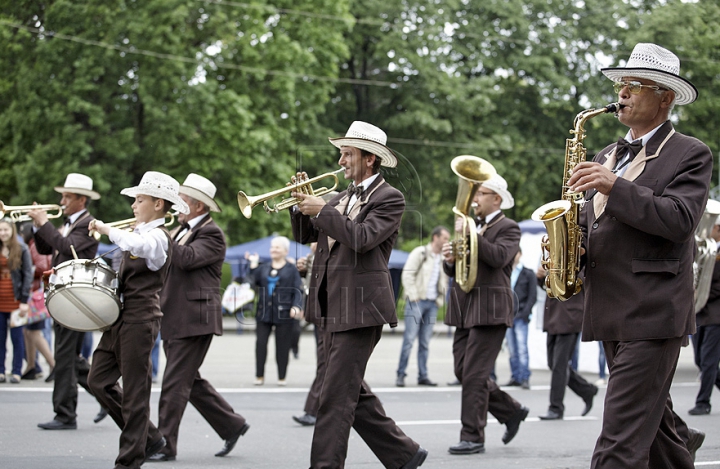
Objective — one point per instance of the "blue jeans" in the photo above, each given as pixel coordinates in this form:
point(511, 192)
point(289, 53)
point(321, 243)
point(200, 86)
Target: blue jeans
point(18, 345)
point(420, 317)
point(155, 357)
point(518, 348)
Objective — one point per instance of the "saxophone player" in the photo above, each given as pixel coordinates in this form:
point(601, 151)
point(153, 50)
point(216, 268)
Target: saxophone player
point(639, 246)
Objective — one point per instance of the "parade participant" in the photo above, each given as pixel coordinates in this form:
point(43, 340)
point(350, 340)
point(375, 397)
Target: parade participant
point(481, 322)
point(70, 368)
point(351, 298)
point(639, 240)
point(190, 302)
point(124, 349)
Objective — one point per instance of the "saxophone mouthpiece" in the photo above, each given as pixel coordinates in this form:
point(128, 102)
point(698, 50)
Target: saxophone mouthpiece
point(614, 107)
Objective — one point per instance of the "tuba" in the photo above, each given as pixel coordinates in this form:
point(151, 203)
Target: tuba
point(472, 172)
point(561, 246)
point(705, 254)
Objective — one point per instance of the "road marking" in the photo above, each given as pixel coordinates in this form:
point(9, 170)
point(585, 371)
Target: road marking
point(457, 422)
point(707, 463)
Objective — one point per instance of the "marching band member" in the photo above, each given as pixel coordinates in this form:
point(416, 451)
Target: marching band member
point(639, 245)
point(124, 349)
point(70, 368)
point(190, 302)
point(351, 297)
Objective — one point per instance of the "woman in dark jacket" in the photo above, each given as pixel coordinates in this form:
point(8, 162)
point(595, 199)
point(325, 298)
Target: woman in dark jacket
point(280, 297)
point(16, 273)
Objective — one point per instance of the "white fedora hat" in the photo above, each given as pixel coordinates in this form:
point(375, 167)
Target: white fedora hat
point(159, 185)
point(498, 185)
point(658, 64)
point(369, 138)
point(77, 183)
point(200, 188)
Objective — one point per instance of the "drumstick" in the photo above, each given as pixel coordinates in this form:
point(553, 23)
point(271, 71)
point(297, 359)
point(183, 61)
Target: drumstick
point(72, 248)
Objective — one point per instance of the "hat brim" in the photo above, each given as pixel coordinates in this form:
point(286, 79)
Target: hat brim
point(685, 91)
point(76, 190)
point(200, 196)
point(179, 204)
point(386, 155)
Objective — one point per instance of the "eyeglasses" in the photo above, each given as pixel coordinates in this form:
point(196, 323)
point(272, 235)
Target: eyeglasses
point(485, 193)
point(635, 87)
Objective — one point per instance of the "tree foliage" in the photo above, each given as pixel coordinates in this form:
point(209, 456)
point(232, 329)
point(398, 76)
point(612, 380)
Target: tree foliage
point(246, 94)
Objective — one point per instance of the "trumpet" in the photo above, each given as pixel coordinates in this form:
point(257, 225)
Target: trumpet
point(128, 223)
point(247, 203)
point(17, 213)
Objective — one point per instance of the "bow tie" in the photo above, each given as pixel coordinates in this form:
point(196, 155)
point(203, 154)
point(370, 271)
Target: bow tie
point(66, 221)
point(623, 146)
point(480, 221)
point(184, 226)
point(355, 190)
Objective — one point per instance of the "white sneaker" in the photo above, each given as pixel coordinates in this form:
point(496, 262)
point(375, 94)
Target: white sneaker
point(282, 382)
point(600, 382)
point(259, 381)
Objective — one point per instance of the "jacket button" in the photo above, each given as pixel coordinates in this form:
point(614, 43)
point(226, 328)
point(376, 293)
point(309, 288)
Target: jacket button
point(592, 264)
point(614, 218)
point(595, 225)
point(320, 249)
point(316, 275)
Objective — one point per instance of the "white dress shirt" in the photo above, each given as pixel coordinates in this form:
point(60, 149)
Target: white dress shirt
point(144, 241)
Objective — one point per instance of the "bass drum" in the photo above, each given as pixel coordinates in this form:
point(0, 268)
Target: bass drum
point(82, 295)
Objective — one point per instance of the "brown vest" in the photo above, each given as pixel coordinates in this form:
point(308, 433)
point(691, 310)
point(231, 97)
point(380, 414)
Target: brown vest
point(141, 286)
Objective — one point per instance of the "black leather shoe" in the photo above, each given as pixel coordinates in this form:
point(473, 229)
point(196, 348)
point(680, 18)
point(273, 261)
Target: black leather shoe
point(400, 382)
point(159, 457)
point(467, 447)
point(100, 415)
point(525, 384)
point(455, 383)
point(416, 460)
point(695, 441)
point(699, 409)
point(58, 425)
point(589, 402)
point(231, 442)
point(30, 374)
point(306, 420)
point(154, 448)
point(513, 425)
point(512, 382)
point(426, 382)
point(551, 415)
point(51, 377)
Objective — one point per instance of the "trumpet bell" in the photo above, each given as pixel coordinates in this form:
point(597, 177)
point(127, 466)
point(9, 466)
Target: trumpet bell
point(245, 204)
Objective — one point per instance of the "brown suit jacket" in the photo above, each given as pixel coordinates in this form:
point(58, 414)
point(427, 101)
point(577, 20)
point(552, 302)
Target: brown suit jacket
point(563, 317)
point(190, 299)
point(490, 302)
point(710, 314)
point(640, 250)
point(49, 240)
point(353, 272)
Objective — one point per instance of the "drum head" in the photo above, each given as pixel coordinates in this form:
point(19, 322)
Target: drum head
point(83, 308)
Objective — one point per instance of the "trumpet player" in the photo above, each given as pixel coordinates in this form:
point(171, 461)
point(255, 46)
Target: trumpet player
point(651, 191)
point(70, 368)
point(351, 297)
point(481, 318)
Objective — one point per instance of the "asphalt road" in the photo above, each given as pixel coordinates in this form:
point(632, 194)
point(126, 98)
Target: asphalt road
point(428, 415)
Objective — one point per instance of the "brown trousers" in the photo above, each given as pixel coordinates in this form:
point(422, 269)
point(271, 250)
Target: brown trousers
point(182, 383)
point(346, 401)
point(312, 402)
point(475, 350)
point(638, 429)
point(124, 350)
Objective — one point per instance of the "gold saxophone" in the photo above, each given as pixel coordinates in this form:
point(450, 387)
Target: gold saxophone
point(561, 246)
point(705, 254)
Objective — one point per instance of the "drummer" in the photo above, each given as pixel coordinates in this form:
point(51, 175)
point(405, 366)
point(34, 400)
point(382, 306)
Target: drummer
point(70, 368)
point(124, 350)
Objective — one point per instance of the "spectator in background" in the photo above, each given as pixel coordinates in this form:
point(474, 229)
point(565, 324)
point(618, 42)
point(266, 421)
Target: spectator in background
point(34, 339)
point(15, 283)
point(280, 301)
point(424, 283)
point(523, 283)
